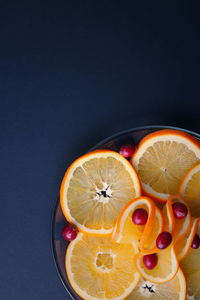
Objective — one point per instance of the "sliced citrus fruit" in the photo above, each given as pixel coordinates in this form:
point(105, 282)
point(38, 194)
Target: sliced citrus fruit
point(183, 246)
point(166, 268)
point(162, 160)
point(125, 230)
point(148, 241)
point(173, 289)
point(97, 268)
point(190, 190)
point(181, 226)
point(168, 215)
point(191, 268)
point(95, 188)
point(143, 236)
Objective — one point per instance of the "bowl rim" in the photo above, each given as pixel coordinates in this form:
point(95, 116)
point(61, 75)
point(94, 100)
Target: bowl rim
point(116, 135)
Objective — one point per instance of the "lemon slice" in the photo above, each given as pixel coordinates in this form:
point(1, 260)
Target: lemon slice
point(97, 268)
point(95, 189)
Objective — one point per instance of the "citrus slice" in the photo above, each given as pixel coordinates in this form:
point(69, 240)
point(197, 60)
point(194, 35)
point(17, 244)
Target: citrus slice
point(173, 289)
point(191, 268)
point(165, 269)
point(190, 190)
point(183, 246)
point(162, 160)
point(181, 226)
point(168, 215)
point(125, 230)
point(97, 268)
point(95, 189)
point(143, 236)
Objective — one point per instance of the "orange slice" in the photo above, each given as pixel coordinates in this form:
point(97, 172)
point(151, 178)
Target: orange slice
point(167, 265)
point(165, 269)
point(97, 268)
point(162, 160)
point(190, 190)
point(180, 226)
point(143, 236)
point(183, 245)
point(173, 289)
point(168, 215)
point(95, 189)
point(191, 268)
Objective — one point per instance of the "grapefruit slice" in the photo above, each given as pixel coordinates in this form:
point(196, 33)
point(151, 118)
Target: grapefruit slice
point(162, 160)
point(95, 189)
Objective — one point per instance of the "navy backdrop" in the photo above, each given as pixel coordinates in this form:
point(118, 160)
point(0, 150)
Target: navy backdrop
point(72, 73)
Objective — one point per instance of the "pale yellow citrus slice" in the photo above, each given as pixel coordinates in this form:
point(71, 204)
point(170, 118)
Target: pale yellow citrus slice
point(183, 246)
point(191, 268)
point(174, 289)
point(95, 189)
point(162, 160)
point(97, 268)
point(190, 190)
point(144, 236)
point(165, 269)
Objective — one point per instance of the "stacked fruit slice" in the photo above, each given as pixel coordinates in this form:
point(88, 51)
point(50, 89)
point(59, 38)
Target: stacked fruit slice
point(133, 232)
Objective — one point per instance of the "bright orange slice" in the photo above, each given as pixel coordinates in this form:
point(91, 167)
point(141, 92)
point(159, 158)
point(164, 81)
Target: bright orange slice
point(162, 160)
point(95, 189)
point(183, 245)
point(191, 268)
point(143, 236)
point(165, 269)
point(190, 190)
point(173, 289)
point(180, 226)
point(167, 265)
point(100, 269)
point(168, 215)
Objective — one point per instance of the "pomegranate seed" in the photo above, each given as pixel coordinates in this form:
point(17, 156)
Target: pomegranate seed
point(150, 261)
point(163, 240)
point(195, 242)
point(127, 150)
point(69, 232)
point(180, 210)
point(140, 216)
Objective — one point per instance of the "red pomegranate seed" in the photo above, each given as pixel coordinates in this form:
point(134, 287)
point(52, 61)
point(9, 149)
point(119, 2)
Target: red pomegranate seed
point(195, 242)
point(163, 240)
point(127, 150)
point(140, 216)
point(180, 210)
point(69, 232)
point(150, 261)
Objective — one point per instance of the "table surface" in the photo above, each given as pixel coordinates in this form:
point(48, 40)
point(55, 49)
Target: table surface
point(73, 73)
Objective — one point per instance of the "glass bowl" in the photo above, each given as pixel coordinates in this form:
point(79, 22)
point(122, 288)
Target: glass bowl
point(114, 142)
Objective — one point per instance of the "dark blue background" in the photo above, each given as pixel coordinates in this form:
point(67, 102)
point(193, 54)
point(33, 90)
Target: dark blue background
point(72, 73)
